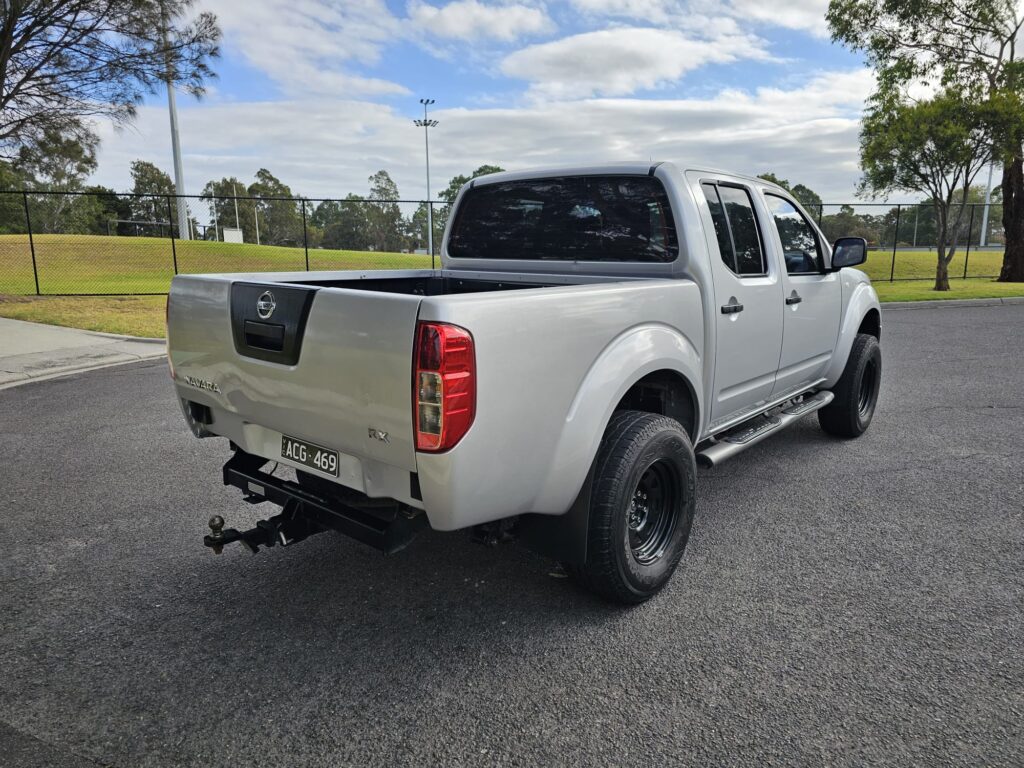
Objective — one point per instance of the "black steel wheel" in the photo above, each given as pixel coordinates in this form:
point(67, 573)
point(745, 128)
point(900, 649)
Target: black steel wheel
point(867, 394)
point(641, 507)
point(652, 512)
point(856, 393)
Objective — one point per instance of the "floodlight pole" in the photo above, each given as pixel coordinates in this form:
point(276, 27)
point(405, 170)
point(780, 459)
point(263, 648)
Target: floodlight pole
point(179, 174)
point(426, 124)
point(984, 213)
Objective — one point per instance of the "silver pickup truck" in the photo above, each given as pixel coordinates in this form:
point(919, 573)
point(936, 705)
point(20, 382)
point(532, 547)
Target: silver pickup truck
point(592, 334)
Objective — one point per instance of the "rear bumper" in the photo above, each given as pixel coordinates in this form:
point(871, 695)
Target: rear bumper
point(374, 478)
point(446, 509)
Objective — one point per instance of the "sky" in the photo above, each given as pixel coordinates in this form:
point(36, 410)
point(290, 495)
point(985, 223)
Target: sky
point(323, 93)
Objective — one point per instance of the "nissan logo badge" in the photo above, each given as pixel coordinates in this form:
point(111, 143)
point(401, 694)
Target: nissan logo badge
point(265, 305)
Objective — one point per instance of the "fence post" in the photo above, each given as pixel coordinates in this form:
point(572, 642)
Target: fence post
point(895, 239)
point(31, 242)
point(305, 238)
point(170, 228)
point(970, 233)
point(821, 211)
point(430, 223)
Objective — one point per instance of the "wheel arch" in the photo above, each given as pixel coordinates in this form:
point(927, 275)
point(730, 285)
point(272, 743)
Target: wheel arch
point(862, 310)
point(647, 350)
point(645, 357)
point(665, 392)
point(872, 324)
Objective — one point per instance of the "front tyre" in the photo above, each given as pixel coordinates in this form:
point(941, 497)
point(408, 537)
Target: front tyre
point(641, 507)
point(856, 392)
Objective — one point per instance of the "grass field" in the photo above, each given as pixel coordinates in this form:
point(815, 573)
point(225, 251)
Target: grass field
point(128, 315)
point(972, 288)
point(83, 264)
point(921, 264)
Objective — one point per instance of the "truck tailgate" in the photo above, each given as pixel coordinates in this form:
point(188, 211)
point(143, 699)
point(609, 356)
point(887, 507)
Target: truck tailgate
point(327, 365)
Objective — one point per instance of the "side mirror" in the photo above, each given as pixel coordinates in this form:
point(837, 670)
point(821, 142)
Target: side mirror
point(849, 252)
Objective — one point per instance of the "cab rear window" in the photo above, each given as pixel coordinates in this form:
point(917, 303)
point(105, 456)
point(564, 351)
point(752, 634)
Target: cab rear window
point(566, 218)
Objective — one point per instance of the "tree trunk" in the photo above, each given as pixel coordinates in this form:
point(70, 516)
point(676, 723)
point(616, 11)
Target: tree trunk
point(1013, 221)
point(942, 245)
point(942, 275)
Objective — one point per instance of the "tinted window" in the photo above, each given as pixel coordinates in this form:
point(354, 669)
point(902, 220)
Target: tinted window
point(739, 211)
point(567, 218)
point(721, 225)
point(739, 239)
point(799, 240)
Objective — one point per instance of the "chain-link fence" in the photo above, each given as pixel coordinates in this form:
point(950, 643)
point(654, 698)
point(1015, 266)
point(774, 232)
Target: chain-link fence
point(902, 238)
point(71, 243)
point(62, 243)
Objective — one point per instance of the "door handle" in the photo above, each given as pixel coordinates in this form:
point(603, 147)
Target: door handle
point(794, 299)
point(731, 309)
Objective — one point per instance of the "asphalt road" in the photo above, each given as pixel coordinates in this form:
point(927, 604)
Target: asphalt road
point(840, 602)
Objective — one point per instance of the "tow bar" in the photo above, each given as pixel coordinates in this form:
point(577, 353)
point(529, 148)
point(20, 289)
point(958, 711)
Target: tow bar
point(286, 528)
point(305, 513)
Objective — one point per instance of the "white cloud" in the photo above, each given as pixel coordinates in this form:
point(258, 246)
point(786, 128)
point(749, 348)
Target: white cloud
point(648, 10)
point(808, 15)
point(617, 62)
point(306, 45)
point(807, 134)
point(317, 46)
point(470, 20)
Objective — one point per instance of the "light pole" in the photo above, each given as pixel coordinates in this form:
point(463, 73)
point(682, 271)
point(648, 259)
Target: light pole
point(184, 232)
point(426, 124)
point(988, 203)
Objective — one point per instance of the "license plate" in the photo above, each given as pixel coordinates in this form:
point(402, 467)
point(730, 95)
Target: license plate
point(310, 455)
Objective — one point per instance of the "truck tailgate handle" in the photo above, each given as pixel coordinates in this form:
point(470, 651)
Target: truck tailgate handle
point(264, 335)
point(731, 309)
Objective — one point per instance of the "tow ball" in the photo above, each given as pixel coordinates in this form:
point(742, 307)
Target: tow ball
point(287, 528)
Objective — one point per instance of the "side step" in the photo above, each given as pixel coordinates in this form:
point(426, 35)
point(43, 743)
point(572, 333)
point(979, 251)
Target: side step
point(758, 428)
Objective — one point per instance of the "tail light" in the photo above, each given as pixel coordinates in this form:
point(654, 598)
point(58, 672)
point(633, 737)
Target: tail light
point(444, 387)
point(167, 335)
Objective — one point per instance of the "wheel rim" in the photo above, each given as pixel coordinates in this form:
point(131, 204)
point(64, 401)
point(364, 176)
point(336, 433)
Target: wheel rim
point(651, 517)
point(868, 389)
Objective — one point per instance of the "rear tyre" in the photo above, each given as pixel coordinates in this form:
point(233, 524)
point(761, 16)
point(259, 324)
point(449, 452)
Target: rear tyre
point(856, 392)
point(641, 507)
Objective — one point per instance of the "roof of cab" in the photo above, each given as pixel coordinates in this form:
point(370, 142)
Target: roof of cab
point(630, 167)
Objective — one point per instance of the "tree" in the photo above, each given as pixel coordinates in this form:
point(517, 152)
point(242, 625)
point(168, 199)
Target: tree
point(967, 45)
point(12, 206)
point(450, 192)
point(104, 206)
point(806, 196)
point(280, 214)
point(224, 206)
point(59, 164)
point(344, 223)
point(417, 230)
point(64, 62)
point(384, 217)
point(848, 223)
point(156, 185)
point(936, 148)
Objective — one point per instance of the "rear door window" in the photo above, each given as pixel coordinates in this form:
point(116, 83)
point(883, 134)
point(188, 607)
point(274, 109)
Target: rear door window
point(566, 218)
point(739, 238)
